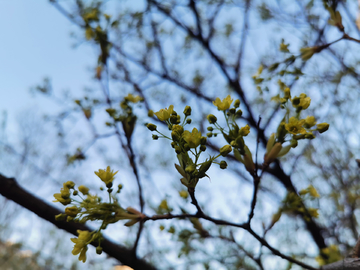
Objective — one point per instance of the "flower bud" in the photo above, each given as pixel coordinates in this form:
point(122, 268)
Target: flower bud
point(223, 164)
point(232, 111)
point(188, 121)
point(211, 118)
point(237, 103)
point(155, 137)
point(175, 136)
point(109, 185)
point(98, 250)
point(202, 148)
point(203, 140)
point(187, 111)
point(84, 190)
point(178, 129)
point(244, 131)
point(71, 211)
point(173, 119)
point(69, 184)
point(238, 113)
point(186, 147)
point(151, 127)
point(322, 127)
point(309, 136)
point(309, 122)
point(225, 150)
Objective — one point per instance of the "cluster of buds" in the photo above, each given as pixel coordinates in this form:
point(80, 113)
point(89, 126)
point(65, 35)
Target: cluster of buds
point(125, 114)
point(235, 135)
point(85, 207)
point(186, 145)
point(292, 129)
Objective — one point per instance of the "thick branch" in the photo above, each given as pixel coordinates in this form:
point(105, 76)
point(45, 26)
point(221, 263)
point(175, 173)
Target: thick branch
point(346, 264)
point(10, 189)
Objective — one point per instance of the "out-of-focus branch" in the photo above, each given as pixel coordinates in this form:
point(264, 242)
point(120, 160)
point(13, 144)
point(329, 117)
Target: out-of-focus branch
point(10, 189)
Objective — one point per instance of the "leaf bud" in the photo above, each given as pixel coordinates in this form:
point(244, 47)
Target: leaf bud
point(190, 168)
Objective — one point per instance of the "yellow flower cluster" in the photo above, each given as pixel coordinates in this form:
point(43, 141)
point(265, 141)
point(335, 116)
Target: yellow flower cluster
point(133, 99)
point(329, 255)
point(106, 176)
point(85, 238)
point(302, 102)
point(164, 114)
point(64, 195)
point(224, 104)
point(193, 139)
point(295, 126)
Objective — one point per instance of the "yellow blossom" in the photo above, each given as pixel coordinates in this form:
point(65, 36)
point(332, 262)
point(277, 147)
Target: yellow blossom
point(332, 254)
point(106, 176)
point(193, 139)
point(60, 199)
point(313, 192)
point(183, 194)
point(302, 102)
point(164, 114)
point(313, 212)
point(81, 243)
point(295, 126)
point(133, 99)
point(224, 104)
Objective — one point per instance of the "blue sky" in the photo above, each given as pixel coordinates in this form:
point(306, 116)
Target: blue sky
point(35, 44)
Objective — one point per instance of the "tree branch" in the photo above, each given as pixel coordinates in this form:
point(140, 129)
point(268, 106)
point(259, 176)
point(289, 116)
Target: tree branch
point(10, 189)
